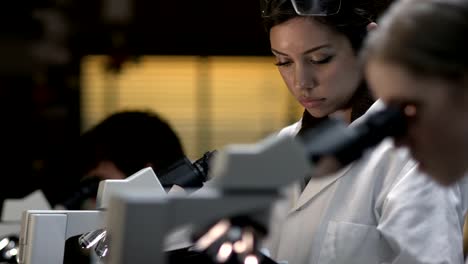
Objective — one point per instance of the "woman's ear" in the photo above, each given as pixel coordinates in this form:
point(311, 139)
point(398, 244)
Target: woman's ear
point(371, 26)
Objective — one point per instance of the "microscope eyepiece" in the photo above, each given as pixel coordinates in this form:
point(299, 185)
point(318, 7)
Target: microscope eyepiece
point(187, 174)
point(202, 165)
point(346, 144)
point(87, 188)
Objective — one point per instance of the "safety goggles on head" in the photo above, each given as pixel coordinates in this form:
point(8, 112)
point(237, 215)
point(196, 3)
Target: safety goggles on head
point(304, 7)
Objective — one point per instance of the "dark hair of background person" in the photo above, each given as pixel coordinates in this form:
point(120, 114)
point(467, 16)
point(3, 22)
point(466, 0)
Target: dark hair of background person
point(427, 37)
point(131, 140)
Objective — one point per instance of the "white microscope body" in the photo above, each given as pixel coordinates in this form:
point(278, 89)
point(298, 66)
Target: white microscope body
point(10, 224)
point(13, 209)
point(44, 232)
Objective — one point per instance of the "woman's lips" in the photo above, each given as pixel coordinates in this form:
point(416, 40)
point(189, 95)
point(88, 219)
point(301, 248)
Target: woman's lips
point(312, 102)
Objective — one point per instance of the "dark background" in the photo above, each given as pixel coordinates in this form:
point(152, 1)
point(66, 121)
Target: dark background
point(40, 89)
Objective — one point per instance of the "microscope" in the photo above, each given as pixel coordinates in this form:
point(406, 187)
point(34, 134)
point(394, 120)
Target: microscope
point(230, 215)
point(44, 232)
point(10, 224)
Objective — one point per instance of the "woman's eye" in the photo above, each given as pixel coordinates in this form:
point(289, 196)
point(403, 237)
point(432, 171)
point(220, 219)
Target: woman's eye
point(413, 111)
point(283, 63)
point(410, 110)
point(322, 60)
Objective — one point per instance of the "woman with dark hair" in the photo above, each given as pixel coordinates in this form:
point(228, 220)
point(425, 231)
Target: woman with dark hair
point(378, 209)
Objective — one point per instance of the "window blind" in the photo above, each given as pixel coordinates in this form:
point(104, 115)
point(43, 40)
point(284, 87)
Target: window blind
point(209, 101)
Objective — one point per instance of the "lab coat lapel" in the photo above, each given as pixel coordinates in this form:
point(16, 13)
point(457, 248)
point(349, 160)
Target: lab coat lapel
point(315, 186)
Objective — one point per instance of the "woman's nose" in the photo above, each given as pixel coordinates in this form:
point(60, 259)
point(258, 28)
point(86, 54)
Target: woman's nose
point(304, 79)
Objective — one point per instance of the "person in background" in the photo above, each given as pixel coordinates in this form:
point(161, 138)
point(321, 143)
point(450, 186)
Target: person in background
point(418, 60)
point(126, 142)
point(117, 147)
point(379, 209)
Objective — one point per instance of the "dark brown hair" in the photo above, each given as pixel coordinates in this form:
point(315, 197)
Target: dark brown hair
point(427, 37)
point(130, 139)
point(351, 20)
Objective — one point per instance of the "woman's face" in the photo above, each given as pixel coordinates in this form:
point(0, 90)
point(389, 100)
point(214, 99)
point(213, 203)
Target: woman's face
point(317, 64)
point(438, 118)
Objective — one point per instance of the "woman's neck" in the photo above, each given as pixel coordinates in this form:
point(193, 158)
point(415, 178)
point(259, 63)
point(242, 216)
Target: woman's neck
point(344, 114)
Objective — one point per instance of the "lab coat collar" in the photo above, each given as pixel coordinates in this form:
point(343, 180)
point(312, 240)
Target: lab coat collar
point(315, 186)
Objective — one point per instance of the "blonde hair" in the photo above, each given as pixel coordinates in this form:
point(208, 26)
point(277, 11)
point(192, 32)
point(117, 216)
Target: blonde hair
point(427, 37)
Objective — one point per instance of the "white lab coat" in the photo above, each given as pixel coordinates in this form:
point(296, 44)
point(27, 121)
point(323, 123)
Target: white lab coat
point(379, 209)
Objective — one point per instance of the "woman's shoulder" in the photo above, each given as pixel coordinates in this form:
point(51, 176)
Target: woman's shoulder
point(386, 158)
point(402, 180)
